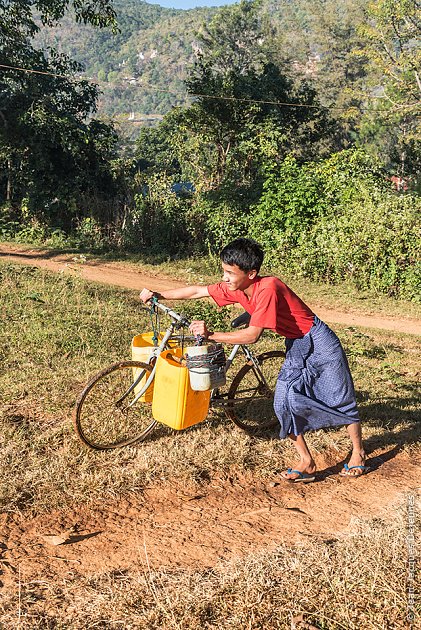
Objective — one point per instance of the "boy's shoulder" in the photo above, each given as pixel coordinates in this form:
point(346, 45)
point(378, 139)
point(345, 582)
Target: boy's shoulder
point(271, 282)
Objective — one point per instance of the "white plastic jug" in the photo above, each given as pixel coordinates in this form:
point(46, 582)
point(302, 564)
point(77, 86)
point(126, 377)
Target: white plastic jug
point(207, 376)
point(200, 379)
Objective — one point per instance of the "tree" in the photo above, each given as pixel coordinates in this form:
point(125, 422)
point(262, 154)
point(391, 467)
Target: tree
point(248, 108)
point(154, 151)
point(236, 39)
point(391, 34)
point(248, 113)
point(329, 41)
point(49, 150)
point(390, 42)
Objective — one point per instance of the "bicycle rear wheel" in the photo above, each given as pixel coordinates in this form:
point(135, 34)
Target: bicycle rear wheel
point(103, 418)
point(251, 406)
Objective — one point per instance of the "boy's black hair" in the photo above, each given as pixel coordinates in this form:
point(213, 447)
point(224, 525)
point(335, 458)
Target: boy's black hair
point(243, 252)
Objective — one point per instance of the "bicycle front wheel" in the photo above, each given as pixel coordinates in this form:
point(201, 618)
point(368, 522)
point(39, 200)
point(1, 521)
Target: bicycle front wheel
point(104, 417)
point(251, 394)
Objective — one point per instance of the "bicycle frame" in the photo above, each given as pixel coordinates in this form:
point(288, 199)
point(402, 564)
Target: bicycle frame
point(178, 321)
point(103, 419)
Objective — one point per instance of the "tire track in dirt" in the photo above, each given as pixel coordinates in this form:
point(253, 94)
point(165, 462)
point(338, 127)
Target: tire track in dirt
point(119, 275)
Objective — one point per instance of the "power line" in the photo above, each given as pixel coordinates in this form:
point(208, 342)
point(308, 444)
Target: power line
point(49, 74)
point(198, 95)
point(262, 102)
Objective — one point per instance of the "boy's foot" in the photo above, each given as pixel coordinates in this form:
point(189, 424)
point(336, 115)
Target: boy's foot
point(356, 466)
point(301, 472)
point(354, 471)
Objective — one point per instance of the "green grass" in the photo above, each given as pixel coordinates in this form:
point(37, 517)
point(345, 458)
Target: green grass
point(206, 270)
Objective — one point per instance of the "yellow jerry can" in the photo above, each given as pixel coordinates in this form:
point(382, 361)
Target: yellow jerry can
point(174, 402)
point(142, 348)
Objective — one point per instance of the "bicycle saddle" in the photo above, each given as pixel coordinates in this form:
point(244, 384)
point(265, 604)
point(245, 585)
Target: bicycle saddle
point(241, 320)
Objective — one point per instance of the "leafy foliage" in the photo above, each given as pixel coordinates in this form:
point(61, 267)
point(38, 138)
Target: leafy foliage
point(390, 41)
point(160, 220)
point(294, 195)
point(390, 33)
point(338, 220)
point(374, 244)
point(48, 152)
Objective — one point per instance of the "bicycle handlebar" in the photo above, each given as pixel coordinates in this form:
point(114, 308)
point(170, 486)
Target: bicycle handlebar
point(183, 321)
point(168, 311)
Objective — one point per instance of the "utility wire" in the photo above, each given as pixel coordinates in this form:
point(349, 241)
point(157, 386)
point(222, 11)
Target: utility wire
point(262, 102)
point(48, 74)
point(198, 95)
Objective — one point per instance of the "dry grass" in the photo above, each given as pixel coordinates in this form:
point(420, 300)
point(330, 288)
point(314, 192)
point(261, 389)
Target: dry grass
point(357, 581)
point(56, 332)
point(59, 330)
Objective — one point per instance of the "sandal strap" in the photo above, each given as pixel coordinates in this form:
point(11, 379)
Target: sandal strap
point(351, 467)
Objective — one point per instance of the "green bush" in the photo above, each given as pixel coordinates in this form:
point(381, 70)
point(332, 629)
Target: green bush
point(222, 222)
point(32, 232)
point(296, 195)
point(338, 220)
point(293, 196)
point(158, 222)
point(88, 234)
point(373, 243)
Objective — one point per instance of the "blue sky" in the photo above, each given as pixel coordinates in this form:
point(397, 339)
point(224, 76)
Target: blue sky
point(190, 4)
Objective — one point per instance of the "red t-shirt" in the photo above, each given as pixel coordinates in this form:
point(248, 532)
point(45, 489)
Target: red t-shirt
point(272, 305)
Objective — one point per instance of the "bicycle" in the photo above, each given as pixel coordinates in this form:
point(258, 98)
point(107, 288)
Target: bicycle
point(110, 412)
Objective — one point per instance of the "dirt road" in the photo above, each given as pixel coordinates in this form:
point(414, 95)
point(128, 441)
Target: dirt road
point(184, 527)
point(119, 275)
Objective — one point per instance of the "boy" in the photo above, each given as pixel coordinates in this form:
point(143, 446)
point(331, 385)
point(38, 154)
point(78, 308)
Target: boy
point(314, 387)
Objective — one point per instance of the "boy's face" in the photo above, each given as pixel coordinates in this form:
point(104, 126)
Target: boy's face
point(236, 278)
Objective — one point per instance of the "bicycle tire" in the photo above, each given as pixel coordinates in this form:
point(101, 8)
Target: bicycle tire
point(103, 419)
point(251, 406)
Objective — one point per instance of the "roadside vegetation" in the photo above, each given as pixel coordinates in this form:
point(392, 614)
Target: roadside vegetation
point(334, 222)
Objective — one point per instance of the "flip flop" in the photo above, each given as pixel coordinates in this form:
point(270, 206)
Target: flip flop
point(364, 470)
point(302, 476)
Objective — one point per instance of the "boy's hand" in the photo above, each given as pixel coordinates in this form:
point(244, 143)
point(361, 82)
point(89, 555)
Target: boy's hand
point(198, 327)
point(146, 295)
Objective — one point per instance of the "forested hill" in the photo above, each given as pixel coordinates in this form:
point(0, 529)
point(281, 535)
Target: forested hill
point(141, 69)
point(153, 48)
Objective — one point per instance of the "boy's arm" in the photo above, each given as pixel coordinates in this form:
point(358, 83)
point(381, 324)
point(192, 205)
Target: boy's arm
point(183, 293)
point(247, 335)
